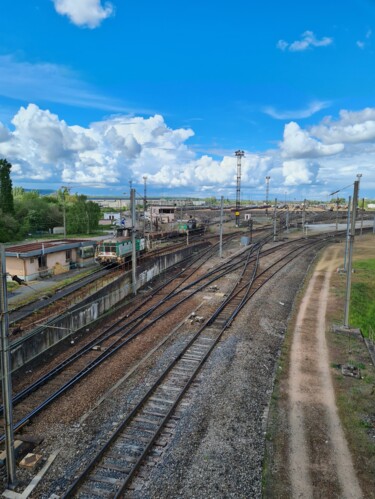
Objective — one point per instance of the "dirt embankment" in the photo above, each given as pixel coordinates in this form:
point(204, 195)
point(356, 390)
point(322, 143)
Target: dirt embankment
point(308, 452)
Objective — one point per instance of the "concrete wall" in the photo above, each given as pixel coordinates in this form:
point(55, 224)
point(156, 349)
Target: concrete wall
point(89, 310)
point(15, 266)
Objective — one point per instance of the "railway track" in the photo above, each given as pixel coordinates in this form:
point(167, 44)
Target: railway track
point(112, 470)
point(31, 400)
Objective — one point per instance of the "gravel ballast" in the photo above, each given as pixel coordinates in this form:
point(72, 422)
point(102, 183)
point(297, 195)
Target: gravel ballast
point(216, 445)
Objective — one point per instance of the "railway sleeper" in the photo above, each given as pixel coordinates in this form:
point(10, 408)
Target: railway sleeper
point(105, 479)
point(139, 429)
point(121, 461)
point(192, 356)
point(162, 400)
point(170, 388)
point(140, 419)
point(114, 467)
point(153, 414)
point(134, 438)
point(88, 493)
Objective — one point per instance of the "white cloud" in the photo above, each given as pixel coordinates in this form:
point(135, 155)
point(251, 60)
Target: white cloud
point(88, 13)
point(312, 108)
point(4, 133)
point(307, 41)
point(45, 149)
point(298, 143)
point(44, 82)
point(361, 44)
point(352, 127)
point(298, 171)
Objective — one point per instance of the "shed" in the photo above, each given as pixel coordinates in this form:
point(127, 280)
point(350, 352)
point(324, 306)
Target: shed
point(40, 259)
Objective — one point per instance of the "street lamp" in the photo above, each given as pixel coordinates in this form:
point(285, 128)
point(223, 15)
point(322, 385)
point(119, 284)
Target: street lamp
point(359, 175)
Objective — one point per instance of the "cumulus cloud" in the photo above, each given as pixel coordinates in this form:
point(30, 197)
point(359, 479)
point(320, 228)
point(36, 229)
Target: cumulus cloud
point(4, 133)
point(352, 127)
point(45, 149)
point(299, 171)
point(298, 143)
point(308, 40)
point(85, 13)
point(312, 108)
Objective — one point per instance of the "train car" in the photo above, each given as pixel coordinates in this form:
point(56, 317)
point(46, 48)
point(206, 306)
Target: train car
point(189, 225)
point(117, 250)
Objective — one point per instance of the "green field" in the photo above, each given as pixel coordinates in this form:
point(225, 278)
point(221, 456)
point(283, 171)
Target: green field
point(362, 299)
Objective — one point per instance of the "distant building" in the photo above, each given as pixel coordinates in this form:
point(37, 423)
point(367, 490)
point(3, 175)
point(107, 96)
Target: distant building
point(41, 259)
point(162, 214)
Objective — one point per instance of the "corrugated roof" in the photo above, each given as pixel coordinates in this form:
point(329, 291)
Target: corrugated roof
point(34, 248)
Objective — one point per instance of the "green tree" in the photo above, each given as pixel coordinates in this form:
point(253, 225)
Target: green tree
point(6, 195)
point(36, 213)
point(82, 216)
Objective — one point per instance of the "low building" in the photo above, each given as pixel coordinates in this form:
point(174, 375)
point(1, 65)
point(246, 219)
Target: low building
point(162, 214)
point(41, 259)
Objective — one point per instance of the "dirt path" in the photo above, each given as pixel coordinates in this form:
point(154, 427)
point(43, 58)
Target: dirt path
point(320, 464)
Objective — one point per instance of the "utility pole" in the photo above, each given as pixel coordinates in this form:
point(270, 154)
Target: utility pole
point(287, 220)
point(304, 215)
point(144, 203)
point(337, 214)
point(359, 175)
point(267, 191)
point(221, 227)
point(351, 243)
point(6, 377)
point(134, 248)
point(363, 209)
point(64, 191)
point(347, 235)
point(239, 154)
point(64, 218)
point(274, 223)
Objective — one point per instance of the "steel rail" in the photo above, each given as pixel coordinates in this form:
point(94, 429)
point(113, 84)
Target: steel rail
point(136, 409)
point(77, 483)
point(88, 347)
point(110, 351)
point(120, 342)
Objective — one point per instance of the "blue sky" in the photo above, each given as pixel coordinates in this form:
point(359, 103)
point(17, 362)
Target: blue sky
point(93, 94)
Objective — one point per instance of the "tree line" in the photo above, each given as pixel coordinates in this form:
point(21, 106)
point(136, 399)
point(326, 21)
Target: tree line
point(28, 213)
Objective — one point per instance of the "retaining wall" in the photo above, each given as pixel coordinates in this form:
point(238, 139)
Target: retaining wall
point(91, 309)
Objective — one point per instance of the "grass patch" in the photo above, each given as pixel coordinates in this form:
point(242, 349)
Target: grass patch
point(52, 289)
point(355, 402)
point(11, 286)
point(362, 298)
